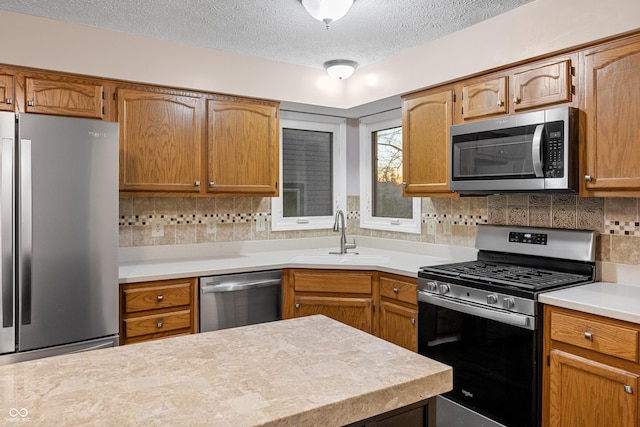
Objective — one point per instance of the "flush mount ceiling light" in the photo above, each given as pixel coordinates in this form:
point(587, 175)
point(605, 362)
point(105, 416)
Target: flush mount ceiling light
point(327, 11)
point(340, 68)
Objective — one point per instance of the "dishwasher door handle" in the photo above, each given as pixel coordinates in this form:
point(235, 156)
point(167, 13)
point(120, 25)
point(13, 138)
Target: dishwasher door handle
point(241, 286)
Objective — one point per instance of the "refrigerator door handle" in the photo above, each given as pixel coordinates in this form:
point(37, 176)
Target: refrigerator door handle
point(26, 215)
point(6, 233)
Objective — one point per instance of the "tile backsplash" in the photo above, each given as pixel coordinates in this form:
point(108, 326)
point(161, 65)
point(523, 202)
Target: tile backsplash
point(171, 221)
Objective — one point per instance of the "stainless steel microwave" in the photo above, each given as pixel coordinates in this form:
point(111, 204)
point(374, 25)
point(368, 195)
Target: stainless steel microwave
point(523, 153)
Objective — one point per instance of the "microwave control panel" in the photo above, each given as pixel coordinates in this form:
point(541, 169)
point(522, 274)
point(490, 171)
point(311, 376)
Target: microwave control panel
point(554, 162)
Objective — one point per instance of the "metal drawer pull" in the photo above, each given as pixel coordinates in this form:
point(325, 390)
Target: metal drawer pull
point(413, 321)
point(297, 305)
point(159, 325)
point(197, 183)
point(160, 297)
point(628, 389)
point(9, 101)
point(31, 103)
point(395, 290)
point(588, 336)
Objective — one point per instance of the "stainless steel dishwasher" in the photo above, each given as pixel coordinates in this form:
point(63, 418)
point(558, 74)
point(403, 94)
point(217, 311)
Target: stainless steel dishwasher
point(232, 300)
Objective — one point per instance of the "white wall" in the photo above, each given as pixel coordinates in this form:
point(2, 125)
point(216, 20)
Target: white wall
point(535, 28)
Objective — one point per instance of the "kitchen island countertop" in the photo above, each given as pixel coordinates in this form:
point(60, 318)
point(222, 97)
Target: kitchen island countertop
point(305, 371)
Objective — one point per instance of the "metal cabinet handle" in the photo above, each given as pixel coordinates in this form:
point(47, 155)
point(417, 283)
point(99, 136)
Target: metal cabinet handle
point(211, 183)
point(588, 178)
point(160, 297)
point(8, 101)
point(413, 321)
point(404, 184)
point(297, 305)
point(395, 290)
point(588, 336)
point(159, 324)
point(197, 183)
point(628, 389)
point(500, 103)
point(516, 100)
point(31, 103)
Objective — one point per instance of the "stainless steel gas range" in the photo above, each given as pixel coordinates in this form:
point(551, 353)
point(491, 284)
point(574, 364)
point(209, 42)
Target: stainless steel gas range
point(483, 318)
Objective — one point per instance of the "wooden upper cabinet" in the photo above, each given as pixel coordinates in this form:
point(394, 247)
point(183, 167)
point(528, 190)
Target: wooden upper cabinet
point(64, 97)
point(242, 147)
point(426, 117)
point(612, 109)
point(160, 141)
point(482, 97)
point(544, 85)
point(7, 93)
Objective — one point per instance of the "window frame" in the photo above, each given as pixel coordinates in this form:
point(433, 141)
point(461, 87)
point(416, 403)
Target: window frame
point(314, 122)
point(367, 125)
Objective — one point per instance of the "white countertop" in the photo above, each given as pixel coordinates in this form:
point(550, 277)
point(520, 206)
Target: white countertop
point(271, 374)
point(615, 300)
point(404, 258)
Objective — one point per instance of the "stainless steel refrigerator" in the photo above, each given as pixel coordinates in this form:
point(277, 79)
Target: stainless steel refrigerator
point(58, 235)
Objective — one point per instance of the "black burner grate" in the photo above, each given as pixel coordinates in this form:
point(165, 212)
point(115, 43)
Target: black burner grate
point(511, 275)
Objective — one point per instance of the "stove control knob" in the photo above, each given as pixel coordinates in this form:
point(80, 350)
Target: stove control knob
point(492, 299)
point(432, 286)
point(508, 303)
point(443, 288)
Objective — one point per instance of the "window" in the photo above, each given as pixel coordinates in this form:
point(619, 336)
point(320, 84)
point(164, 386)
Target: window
point(312, 167)
point(382, 206)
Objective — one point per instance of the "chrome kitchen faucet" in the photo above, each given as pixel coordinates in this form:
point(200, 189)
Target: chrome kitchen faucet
point(338, 225)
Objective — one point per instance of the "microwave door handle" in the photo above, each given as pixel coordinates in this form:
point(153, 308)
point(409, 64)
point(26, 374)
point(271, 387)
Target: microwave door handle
point(536, 156)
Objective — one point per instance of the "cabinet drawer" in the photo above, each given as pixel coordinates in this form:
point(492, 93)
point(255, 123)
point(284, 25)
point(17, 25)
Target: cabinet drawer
point(154, 297)
point(605, 338)
point(157, 323)
point(398, 290)
point(341, 282)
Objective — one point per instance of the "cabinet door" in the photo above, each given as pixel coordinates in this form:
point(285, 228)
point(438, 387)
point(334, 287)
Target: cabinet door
point(544, 85)
point(612, 109)
point(242, 143)
point(353, 311)
point(7, 96)
point(160, 141)
point(398, 325)
point(68, 97)
point(425, 143)
point(584, 393)
point(484, 98)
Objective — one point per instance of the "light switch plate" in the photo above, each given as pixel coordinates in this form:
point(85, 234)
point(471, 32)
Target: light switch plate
point(431, 226)
point(157, 227)
point(261, 223)
point(211, 225)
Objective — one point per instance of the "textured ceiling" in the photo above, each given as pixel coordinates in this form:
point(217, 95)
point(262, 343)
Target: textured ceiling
point(279, 30)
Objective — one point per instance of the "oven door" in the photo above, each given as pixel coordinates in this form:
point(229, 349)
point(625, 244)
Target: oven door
point(494, 358)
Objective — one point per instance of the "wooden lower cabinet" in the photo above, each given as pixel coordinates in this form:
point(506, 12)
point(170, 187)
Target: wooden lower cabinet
point(587, 393)
point(591, 375)
point(353, 311)
point(158, 309)
point(399, 310)
point(378, 303)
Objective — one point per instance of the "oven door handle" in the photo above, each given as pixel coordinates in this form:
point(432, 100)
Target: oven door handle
point(513, 319)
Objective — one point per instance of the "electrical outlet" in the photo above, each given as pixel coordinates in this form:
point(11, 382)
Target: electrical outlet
point(431, 226)
point(261, 223)
point(157, 227)
point(211, 225)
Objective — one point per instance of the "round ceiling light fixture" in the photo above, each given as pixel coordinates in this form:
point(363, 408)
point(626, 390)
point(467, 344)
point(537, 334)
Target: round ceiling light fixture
point(327, 11)
point(340, 68)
